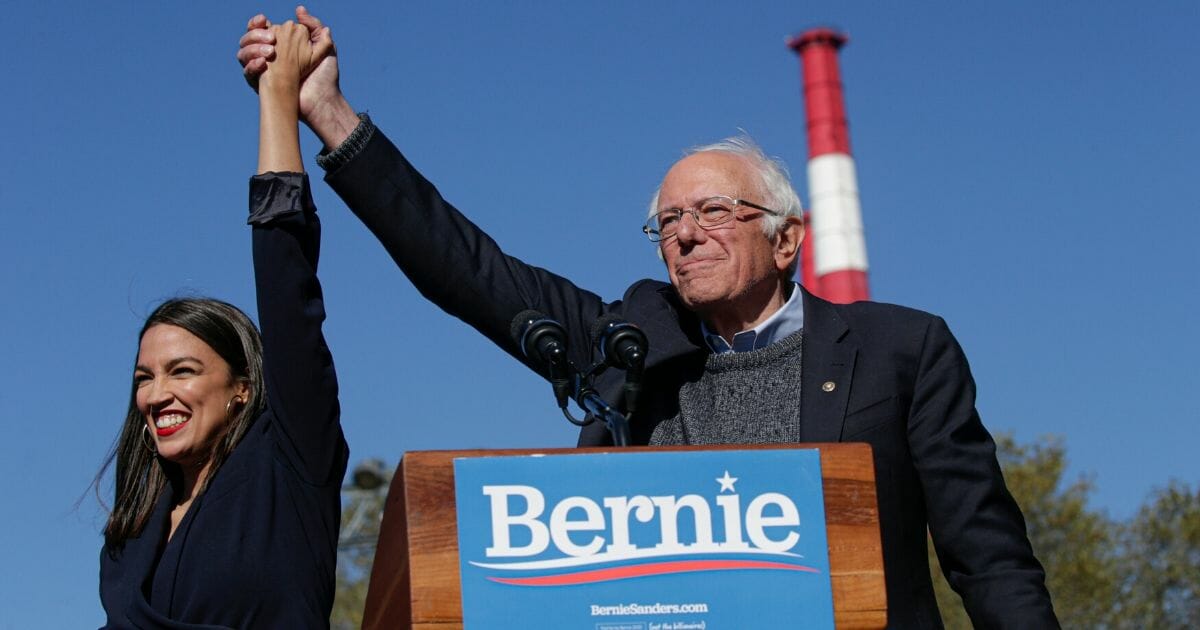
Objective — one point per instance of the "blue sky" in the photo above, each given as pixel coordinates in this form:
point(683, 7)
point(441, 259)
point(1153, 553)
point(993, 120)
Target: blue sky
point(1027, 170)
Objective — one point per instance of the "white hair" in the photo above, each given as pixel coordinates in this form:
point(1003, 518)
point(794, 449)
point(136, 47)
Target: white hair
point(777, 191)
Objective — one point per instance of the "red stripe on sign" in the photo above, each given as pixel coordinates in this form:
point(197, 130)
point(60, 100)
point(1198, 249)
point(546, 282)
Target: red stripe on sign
point(642, 570)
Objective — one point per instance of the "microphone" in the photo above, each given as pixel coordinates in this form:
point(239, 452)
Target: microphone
point(544, 341)
point(623, 345)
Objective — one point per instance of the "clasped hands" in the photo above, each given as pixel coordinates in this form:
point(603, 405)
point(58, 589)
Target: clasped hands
point(294, 55)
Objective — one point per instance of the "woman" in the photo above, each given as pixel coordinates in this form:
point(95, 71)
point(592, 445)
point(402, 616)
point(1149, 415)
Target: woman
point(230, 461)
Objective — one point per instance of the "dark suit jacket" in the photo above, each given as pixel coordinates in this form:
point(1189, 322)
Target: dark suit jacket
point(259, 548)
point(901, 383)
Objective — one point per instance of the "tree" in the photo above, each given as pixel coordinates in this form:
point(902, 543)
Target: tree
point(1075, 545)
point(1161, 549)
point(1144, 573)
point(362, 509)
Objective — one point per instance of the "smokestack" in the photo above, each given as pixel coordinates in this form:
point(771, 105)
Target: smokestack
point(835, 252)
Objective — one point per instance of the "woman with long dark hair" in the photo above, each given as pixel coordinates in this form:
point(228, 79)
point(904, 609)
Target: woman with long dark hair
point(230, 460)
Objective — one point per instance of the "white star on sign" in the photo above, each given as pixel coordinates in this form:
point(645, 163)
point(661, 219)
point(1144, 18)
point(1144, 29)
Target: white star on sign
point(726, 482)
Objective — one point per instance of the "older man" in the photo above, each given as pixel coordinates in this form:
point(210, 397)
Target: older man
point(738, 352)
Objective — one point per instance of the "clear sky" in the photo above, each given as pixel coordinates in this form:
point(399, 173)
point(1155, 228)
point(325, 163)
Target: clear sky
point(1027, 170)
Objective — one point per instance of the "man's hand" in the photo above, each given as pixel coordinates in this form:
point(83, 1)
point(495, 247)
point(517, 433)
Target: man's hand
point(319, 91)
point(255, 48)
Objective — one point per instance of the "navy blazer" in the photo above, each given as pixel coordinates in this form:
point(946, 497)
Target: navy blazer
point(901, 384)
point(259, 548)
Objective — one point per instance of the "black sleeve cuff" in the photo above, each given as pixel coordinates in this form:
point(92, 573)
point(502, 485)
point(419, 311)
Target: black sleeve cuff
point(274, 195)
point(350, 147)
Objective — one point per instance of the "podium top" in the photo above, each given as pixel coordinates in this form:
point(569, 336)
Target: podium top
point(416, 572)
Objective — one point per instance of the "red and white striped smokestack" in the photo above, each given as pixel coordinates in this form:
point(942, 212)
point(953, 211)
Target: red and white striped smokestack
point(835, 256)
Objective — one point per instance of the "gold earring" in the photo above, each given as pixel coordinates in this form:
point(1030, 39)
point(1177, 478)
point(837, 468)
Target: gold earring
point(229, 405)
point(148, 441)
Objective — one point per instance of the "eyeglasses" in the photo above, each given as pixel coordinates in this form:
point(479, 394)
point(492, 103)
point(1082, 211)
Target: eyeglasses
point(708, 213)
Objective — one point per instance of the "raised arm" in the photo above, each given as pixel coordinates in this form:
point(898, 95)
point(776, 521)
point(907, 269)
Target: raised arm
point(321, 104)
point(301, 384)
point(447, 257)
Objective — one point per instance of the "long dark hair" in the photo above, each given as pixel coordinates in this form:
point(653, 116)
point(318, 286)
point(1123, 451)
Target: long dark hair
point(141, 474)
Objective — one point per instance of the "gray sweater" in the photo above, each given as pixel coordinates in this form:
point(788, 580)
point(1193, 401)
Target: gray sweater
point(742, 398)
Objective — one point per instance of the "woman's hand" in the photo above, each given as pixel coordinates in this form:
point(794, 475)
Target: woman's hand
point(322, 106)
point(297, 53)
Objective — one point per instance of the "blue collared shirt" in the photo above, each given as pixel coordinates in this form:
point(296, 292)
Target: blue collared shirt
point(787, 320)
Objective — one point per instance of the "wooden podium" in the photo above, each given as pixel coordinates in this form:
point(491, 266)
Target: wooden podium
point(415, 579)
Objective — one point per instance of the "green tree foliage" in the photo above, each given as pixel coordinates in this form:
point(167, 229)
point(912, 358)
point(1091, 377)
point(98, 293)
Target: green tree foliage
point(361, 513)
point(1100, 573)
point(1162, 554)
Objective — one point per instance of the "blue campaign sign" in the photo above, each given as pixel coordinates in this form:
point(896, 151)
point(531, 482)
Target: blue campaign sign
point(644, 541)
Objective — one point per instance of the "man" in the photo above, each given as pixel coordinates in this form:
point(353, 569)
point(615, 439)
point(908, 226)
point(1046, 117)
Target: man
point(738, 352)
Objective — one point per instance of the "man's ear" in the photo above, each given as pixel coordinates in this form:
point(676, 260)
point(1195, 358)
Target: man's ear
point(787, 242)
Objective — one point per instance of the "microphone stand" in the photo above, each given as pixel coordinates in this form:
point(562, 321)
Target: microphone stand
point(591, 402)
point(584, 394)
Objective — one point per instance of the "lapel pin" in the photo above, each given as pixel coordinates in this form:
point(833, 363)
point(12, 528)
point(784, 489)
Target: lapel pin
point(828, 386)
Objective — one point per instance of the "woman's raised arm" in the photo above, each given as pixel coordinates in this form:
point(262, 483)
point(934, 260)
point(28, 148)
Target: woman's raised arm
point(301, 384)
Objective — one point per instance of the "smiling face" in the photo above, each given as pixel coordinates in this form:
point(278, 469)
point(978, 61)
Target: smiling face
point(183, 388)
point(732, 273)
